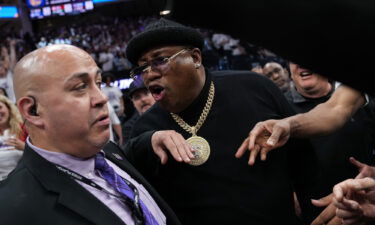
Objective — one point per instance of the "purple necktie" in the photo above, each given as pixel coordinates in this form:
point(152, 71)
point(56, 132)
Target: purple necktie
point(125, 188)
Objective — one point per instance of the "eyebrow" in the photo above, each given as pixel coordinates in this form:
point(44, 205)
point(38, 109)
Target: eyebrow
point(154, 55)
point(84, 74)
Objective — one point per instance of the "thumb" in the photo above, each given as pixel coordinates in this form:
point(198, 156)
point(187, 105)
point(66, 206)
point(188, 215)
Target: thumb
point(274, 138)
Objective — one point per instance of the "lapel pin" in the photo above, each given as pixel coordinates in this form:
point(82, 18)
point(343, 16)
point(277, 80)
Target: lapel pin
point(117, 156)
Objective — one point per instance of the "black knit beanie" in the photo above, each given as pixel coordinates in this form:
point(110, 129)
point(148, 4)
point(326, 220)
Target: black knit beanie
point(162, 32)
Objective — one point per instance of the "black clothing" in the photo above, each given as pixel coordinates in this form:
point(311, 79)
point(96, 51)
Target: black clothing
point(128, 126)
point(36, 192)
point(226, 190)
point(334, 150)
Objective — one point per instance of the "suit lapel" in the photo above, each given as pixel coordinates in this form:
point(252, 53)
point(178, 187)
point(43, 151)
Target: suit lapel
point(69, 192)
point(114, 153)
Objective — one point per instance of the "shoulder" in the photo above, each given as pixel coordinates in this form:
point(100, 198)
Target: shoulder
point(19, 188)
point(21, 197)
point(240, 77)
point(154, 117)
point(244, 82)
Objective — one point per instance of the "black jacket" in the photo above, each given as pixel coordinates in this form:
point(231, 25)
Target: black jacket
point(36, 192)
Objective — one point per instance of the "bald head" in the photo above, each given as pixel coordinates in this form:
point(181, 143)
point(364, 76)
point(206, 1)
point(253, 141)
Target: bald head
point(58, 94)
point(31, 73)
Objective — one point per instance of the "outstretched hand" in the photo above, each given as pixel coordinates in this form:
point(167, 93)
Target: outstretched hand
point(264, 137)
point(355, 200)
point(328, 215)
point(170, 140)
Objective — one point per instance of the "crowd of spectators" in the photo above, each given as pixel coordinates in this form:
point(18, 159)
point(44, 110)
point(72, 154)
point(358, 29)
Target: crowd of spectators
point(107, 37)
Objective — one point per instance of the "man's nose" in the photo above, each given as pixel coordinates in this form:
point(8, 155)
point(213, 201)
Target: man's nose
point(275, 75)
point(151, 74)
point(98, 98)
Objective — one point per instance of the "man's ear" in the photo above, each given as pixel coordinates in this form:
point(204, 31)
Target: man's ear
point(28, 108)
point(197, 56)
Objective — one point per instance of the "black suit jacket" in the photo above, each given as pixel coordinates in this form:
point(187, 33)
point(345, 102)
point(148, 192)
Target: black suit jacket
point(36, 192)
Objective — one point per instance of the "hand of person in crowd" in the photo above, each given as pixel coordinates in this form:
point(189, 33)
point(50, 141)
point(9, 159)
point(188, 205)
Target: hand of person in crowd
point(12, 42)
point(170, 140)
point(355, 201)
point(4, 54)
point(17, 143)
point(364, 169)
point(264, 137)
point(328, 215)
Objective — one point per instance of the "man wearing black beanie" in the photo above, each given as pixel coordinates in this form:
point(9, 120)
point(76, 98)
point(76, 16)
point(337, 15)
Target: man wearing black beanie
point(185, 144)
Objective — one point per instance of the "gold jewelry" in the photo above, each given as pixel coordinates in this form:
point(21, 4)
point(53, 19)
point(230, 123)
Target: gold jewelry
point(199, 144)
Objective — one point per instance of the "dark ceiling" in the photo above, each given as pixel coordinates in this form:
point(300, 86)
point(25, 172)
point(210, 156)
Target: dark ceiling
point(335, 38)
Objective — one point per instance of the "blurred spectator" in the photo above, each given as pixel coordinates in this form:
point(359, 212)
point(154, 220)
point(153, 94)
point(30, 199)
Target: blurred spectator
point(257, 68)
point(106, 38)
point(11, 139)
point(106, 59)
point(354, 139)
point(142, 101)
point(113, 93)
point(115, 126)
point(278, 75)
point(120, 62)
point(7, 63)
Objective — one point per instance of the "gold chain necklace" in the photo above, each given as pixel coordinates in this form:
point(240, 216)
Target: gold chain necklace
point(199, 144)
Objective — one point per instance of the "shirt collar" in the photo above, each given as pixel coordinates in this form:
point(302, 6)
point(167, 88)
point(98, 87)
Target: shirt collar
point(78, 165)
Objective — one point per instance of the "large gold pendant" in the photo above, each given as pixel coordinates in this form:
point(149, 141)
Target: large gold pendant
point(202, 150)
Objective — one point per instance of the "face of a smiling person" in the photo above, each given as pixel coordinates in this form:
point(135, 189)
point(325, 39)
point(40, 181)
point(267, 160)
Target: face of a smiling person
point(305, 80)
point(4, 115)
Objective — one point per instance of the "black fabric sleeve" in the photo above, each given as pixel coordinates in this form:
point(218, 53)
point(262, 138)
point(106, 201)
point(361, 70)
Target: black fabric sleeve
point(138, 150)
point(303, 166)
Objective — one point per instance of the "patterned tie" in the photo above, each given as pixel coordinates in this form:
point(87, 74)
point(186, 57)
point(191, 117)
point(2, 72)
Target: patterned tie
point(125, 188)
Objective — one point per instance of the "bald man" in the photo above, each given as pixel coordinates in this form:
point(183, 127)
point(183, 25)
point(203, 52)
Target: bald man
point(64, 176)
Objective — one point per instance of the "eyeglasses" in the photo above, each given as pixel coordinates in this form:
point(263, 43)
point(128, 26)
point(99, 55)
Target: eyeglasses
point(160, 64)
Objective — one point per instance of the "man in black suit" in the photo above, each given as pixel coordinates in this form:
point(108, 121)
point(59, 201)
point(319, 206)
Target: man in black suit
point(63, 177)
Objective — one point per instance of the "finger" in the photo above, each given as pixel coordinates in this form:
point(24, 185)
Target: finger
point(335, 221)
point(180, 147)
point(345, 214)
point(172, 148)
point(185, 146)
point(326, 215)
point(353, 205)
point(339, 190)
point(161, 154)
point(242, 149)
point(353, 221)
point(263, 153)
point(254, 133)
point(11, 143)
point(322, 201)
point(357, 163)
point(253, 155)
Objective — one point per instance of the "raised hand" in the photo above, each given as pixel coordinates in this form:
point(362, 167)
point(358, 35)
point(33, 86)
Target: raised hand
point(355, 201)
point(264, 137)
